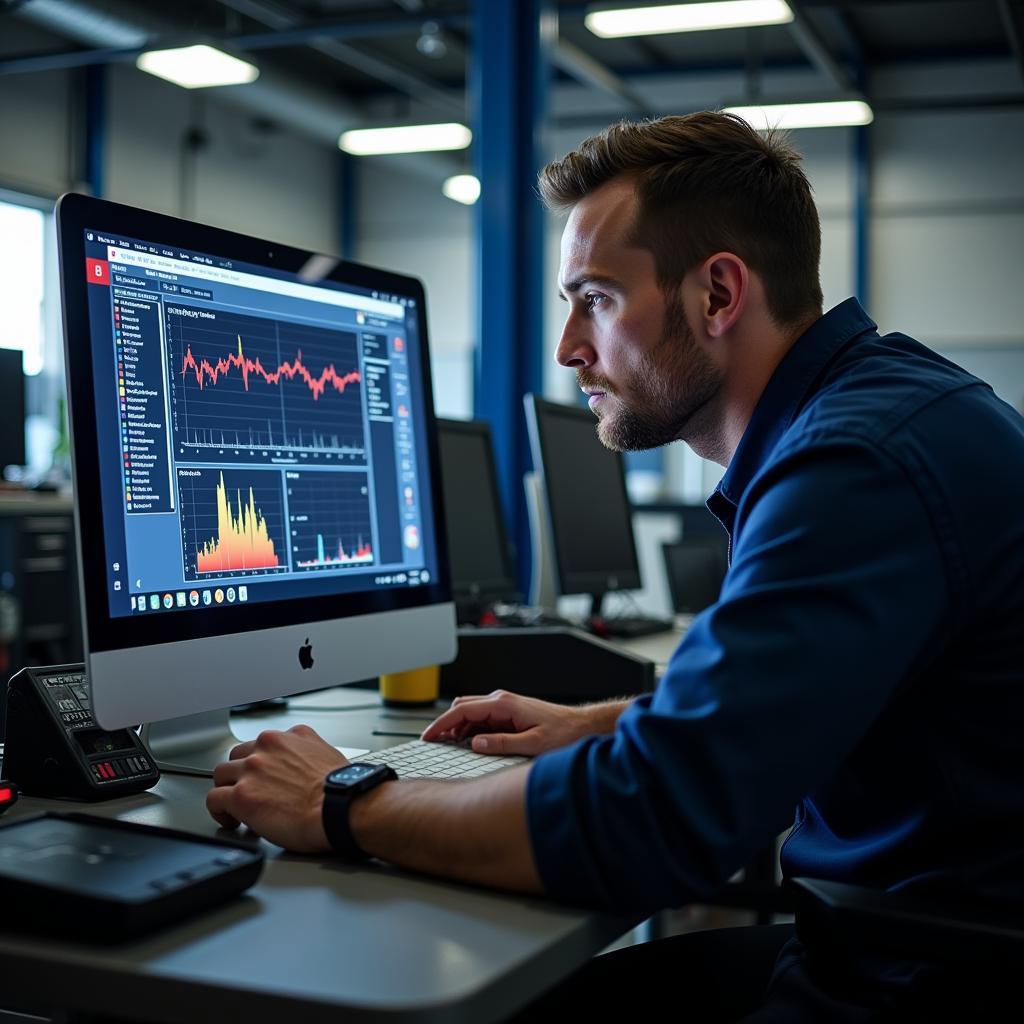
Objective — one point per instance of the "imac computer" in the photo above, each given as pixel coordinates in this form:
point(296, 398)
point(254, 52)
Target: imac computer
point(255, 455)
point(591, 525)
point(483, 572)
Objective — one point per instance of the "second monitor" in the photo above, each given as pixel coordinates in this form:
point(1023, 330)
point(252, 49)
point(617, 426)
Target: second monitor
point(589, 510)
point(483, 570)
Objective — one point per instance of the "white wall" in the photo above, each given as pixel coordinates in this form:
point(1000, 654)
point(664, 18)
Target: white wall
point(948, 228)
point(276, 185)
point(407, 225)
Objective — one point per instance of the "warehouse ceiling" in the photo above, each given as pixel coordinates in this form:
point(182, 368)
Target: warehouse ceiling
point(383, 55)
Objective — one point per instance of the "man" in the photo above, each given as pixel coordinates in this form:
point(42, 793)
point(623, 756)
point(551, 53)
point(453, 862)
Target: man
point(864, 664)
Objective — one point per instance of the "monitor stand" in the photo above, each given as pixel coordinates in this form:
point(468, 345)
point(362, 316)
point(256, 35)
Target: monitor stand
point(192, 745)
point(543, 590)
point(196, 744)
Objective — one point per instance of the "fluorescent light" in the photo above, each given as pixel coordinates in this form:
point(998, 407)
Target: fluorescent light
point(832, 114)
point(412, 138)
point(197, 67)
point(463, 188)
point(652, 21)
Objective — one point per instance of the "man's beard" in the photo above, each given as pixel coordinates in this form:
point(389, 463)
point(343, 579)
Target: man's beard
point(673, 382)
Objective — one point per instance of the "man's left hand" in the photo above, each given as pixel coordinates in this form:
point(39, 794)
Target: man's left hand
point(274, 784)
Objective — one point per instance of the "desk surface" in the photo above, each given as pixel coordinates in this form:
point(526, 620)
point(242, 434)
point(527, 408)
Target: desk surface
point(659, 647)
point(313, 940)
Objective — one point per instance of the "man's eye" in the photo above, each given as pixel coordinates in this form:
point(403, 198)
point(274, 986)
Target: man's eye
point(593, 299)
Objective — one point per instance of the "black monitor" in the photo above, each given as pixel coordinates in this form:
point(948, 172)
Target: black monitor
point(12, 409)
point(695, 568)
point(480, 555)
point(589, 510)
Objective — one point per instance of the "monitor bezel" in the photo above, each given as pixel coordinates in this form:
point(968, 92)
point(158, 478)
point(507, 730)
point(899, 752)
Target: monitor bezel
point(76, 213)
point(539, 412)
point(490, 589)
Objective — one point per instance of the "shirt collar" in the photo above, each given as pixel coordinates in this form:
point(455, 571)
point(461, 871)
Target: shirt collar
point(786, 390)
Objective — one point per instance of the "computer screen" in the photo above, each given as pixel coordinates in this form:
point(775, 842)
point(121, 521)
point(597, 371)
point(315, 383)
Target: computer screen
point(12, 409)
point(481, 558)
point(254, 450)
point(584, 485)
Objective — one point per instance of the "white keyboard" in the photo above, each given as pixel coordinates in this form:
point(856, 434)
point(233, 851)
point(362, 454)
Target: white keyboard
point(419, 760)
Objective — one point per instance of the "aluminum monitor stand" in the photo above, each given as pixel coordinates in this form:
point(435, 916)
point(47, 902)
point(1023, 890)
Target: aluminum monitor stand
point(543, 590)
point(193, 744)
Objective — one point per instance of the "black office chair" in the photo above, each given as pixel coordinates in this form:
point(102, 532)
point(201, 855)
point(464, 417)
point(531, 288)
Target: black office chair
point(695, 569)
point(907, 924)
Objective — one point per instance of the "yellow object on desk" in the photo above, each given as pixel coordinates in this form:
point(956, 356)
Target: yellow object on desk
point(419, 687)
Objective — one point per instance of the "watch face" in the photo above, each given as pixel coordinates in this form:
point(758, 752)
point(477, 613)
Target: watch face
point(352, 773)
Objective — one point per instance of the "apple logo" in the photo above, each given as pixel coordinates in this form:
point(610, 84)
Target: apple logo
point(306, 655)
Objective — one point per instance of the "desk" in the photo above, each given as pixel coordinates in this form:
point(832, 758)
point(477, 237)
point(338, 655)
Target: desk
point(314, 940)
point(659, 647)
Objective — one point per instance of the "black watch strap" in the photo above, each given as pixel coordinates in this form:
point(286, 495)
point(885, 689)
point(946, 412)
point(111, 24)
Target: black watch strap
point(337, 801)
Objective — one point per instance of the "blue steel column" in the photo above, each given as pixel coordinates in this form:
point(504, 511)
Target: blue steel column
point(509, 81)
point(95, 126)
point(862, 202)
point(862, 215)
point(348, 205)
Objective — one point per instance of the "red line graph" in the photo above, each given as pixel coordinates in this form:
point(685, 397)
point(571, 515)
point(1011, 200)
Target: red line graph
point(206, 371)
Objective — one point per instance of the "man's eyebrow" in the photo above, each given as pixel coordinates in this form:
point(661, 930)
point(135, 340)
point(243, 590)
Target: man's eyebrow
point(577, 283)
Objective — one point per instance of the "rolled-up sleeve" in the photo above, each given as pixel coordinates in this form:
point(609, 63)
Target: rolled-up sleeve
point(836, 587)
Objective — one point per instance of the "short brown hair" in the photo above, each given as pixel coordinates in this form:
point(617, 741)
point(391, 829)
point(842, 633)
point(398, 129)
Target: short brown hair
point(707, 182)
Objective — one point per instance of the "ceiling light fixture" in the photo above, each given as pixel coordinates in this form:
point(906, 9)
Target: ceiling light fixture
point(830, 114)
point(413, 138)
point(699, 17)
point(431, 43)
point(197, 67)
point(463, 188)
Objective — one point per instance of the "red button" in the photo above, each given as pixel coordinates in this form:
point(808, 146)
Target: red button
point(97, 271)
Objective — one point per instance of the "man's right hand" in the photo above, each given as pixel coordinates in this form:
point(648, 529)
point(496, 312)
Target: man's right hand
point(506, 723)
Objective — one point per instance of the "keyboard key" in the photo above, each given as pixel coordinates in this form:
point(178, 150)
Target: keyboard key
point(417, 759)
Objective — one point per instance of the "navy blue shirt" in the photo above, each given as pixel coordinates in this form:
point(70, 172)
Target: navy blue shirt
point(864, 665)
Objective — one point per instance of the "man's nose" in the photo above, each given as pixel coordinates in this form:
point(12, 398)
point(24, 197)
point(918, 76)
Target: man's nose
point(574, 349)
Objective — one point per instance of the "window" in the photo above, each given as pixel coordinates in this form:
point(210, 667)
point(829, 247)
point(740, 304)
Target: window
point(21, 282)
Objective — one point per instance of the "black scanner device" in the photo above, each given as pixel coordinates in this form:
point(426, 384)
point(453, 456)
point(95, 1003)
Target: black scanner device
point(53, 746)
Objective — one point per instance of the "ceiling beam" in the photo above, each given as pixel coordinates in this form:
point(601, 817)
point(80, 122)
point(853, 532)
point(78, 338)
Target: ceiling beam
point(300, 34)
point(587, 70)
point(414, 85)
point(350, 28)
point(847, 33)
point(816, 49)
point(63, 60)
point(1013, 22)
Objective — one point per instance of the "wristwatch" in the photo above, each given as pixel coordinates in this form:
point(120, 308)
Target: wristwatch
point(341, 787)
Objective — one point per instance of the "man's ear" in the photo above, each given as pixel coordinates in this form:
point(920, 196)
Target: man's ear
point(724, 281)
